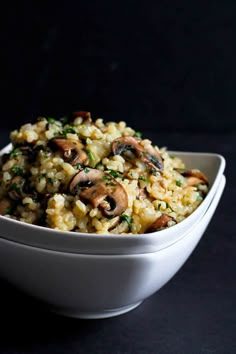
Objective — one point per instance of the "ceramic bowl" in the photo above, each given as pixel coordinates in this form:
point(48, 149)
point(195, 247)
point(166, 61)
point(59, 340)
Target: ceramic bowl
point(211, 164)
point(97, 285)
point(96, 276)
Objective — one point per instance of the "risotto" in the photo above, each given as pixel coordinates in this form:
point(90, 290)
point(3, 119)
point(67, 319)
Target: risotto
point(75, 174)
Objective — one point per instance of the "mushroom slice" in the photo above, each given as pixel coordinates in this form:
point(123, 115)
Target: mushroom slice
point(152, 158)
point(16, 188)
point(160, 223)
point(149, 156)
point(82, 114)
point(5, 205)
point(85, 179)
point(72, 150)
point(193, 177)
point(105, 193)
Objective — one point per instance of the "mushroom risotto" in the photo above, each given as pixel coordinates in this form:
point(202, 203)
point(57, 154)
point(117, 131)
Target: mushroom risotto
point(75, 174)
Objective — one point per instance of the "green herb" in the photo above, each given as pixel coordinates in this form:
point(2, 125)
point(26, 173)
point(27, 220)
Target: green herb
point(169, 207)
point(142, 178)
point(8, 210)
point(138, 134)
point(172, 157)
point(114, 173)
point(51, 120)
point(16, 188)
point(15, 152)
point(154, 172)
point(111, 184)
point(52, 180)
point(63, 120)
point(178, 183)
point(106, 178)
point(159, 206)
point(17, 171)
point(126, 218)
point(68, 130)
point(78, 165)
point(90, 155)
point(86, 170)
point(199, 198)
point(42, 175)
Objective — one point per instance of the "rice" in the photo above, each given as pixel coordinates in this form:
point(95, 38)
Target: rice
point(75, 174)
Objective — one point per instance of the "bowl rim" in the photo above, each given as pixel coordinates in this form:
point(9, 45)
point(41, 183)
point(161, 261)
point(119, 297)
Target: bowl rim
point(131, 238)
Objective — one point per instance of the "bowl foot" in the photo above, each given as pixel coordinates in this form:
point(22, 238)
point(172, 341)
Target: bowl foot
point(95, 315)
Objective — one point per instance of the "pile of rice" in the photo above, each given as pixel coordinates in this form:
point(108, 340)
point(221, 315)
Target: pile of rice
point(36, 177)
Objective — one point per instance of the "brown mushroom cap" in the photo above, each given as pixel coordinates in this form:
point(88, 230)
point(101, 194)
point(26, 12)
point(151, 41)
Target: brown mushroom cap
point(105, 193)
point(149, 156)
point(72, 150)
point(193, 177)
point(160, 223)
point(82, 114)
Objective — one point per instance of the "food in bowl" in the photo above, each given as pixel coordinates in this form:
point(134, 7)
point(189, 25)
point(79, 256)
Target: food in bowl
point(76, 174)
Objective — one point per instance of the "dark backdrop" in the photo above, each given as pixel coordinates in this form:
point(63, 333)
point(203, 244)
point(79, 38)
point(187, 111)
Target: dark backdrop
point(167, 68)
point(164, 65)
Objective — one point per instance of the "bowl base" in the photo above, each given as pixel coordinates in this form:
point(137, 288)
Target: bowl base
point(95, 315)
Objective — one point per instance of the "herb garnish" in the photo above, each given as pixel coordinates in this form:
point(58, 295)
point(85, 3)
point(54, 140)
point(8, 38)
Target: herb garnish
point(86, 170)
point(178, 183)
point(199, 198)
point(114, 173)
point(138, 134)
point(51, 120)
point(127, 218)
point(107, 178)
point(17, 171)
point(142, 178)
point(15, 152)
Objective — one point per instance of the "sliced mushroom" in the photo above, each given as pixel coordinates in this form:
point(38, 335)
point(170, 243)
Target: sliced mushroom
point(16, 188)
point(72, 150)
point(85, 178)
point(193, 177)
point(82, 114)
point(101, 190)
point(160, 223)
point(149, 156)
point(5, 206)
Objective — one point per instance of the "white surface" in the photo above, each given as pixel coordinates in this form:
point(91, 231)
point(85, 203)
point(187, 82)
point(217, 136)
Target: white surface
point(211, 164)
point(97, 286)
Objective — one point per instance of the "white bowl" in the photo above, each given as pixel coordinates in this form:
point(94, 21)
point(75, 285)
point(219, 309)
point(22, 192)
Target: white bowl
point(97, 285)
point(211, 164)
point(95, 276)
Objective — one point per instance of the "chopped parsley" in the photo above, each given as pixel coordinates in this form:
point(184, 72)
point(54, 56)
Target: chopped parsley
point(138, 134)
point(68, 130)
point(42, 175)
point(126, 218)
point(15, 187)
point(178, 183)
point(77, 166)
point(51, 120)
point(142, 178)
point(63, 120)
point(106, 178)
point(114, 173)
point(90, 155)
point(199, 198)
point(15, 152)
point(86, 170)
point(111, 184)
point(169, 207)
point(8, 210)
point(159, 206)
point(172, 157)
point(17, 171)
point(52, 180)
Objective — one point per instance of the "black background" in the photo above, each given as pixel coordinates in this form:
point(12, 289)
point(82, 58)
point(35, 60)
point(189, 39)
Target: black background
point(168, 69)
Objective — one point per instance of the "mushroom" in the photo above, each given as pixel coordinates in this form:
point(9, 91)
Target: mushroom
point(193, 177)
point(149, 156)
point(5, 206)
point(160, 223)
point(82, 114)
point(101, 190)
point(72, 150)
point(16, 188)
